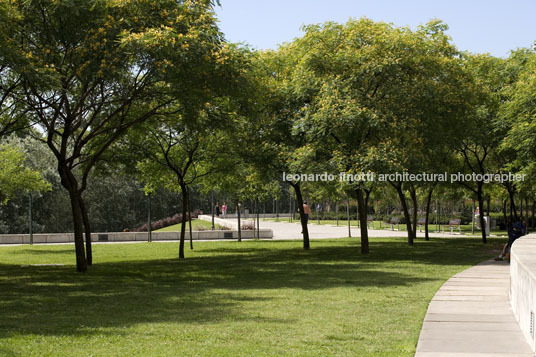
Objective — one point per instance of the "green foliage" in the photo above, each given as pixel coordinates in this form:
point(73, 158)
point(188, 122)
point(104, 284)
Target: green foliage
point(15, 177)
point(520, 111)
point(378, 94)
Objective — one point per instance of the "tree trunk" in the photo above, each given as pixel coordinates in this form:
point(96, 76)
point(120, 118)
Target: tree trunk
point(473, 218)
point(505, 217)
point(254, 209)
point(363, 209)
point(238, 216)
point(305, 230)
point(533, 207)
point(348, 216)
point(184, 193)
point(480, 198)
point(513, 209)
point(402, 197)
point(87, 228)
point(337, 212)
point(258, 220)
point(69, 182)
point(190, 220)
point(526, 216)
point(427, 216)
point(413, 196)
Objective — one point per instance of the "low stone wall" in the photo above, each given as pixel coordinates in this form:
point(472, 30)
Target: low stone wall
point(129, 236)
point(221, 221)
point(523, 285)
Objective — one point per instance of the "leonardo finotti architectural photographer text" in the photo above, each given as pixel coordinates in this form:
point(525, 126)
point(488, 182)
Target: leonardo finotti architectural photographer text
point(405, 177)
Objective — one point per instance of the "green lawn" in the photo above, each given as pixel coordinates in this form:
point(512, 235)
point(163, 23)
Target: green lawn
point(255, 298)
point(197, 225)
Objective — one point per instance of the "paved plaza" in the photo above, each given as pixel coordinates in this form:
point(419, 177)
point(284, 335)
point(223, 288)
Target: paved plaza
point(286, 230)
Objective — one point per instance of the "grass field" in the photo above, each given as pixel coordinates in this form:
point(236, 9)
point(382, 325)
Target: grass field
point(254, 298)
point(197, 224)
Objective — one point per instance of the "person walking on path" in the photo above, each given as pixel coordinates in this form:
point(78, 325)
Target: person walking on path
point(224, 210)
point(217, 209)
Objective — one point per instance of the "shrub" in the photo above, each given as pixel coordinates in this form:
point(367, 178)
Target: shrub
point(249, 226)
point(166, 222)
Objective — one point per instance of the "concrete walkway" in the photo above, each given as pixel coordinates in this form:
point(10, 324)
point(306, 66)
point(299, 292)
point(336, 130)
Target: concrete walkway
point(287, 230)
point(471, 315)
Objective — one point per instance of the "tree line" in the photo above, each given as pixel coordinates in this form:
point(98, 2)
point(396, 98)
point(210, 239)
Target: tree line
point(153, 90)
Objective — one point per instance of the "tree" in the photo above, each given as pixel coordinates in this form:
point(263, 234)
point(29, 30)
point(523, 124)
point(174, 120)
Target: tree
point(374, 92)
point(480, 138)
point(14, 176)
point(517, 113)
point(92, 69)
point(282, 143)
point(175, 155)
point(180, 148)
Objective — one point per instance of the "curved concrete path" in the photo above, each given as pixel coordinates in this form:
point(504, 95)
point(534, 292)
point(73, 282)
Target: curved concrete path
point(471, 315)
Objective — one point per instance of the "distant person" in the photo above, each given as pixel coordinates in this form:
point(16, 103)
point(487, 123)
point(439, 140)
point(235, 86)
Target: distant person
point(518, 229)
point(217, 209)
point(224, 210)
point(306, 211)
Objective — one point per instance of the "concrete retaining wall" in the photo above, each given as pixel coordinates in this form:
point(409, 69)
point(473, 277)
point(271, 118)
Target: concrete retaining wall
point(129, 236)
point(221, 221)
point(523, 285)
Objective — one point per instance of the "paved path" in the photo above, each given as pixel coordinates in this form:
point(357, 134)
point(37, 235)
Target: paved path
point(470, 315)
point(286, 230)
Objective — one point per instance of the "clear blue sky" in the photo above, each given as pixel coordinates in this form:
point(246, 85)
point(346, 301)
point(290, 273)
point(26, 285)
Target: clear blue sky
point(478, 26)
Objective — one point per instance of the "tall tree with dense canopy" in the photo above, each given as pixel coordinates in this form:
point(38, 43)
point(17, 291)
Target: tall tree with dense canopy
point(480, 137)
point(283, 143)
point(374, 91)
point(89, 70)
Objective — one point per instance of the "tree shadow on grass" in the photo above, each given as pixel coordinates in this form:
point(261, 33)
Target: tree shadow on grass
point(56, 301)
point(207, 288)
point(442, 251)
point(44, 251)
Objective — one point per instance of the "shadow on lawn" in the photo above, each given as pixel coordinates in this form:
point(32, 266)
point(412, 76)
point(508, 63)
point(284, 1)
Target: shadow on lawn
point(44, 251)
point(202, 289)
point(442, 251)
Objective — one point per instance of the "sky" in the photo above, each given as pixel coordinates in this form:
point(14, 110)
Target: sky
point(478, 26)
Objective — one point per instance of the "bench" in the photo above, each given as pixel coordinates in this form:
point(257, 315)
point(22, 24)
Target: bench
point(453, 223)
point(421, 222)
point(393, 221)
